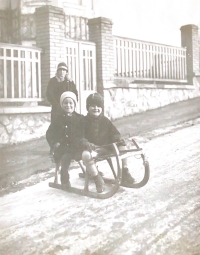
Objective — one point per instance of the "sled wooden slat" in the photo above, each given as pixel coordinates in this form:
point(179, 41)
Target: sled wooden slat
point(88, 193)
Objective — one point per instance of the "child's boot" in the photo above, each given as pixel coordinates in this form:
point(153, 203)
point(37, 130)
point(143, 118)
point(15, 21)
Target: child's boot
point(64, 178)
point(126, 177)
point(99, 182)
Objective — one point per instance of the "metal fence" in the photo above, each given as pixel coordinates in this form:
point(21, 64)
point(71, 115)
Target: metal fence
point(140, 60)
point(20, 73)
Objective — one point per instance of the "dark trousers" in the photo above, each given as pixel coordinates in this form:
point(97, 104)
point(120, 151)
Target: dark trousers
point(65, 163)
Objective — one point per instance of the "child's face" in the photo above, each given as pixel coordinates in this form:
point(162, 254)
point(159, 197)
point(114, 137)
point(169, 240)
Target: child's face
point(61, 72)
point(94, 110)
point(68, 105)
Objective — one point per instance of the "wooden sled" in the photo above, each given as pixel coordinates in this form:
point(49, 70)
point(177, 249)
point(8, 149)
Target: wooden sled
point(114, 168)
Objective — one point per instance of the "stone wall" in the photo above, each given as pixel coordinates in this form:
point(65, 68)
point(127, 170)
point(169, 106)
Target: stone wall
point(120, 102)
point(16, 128)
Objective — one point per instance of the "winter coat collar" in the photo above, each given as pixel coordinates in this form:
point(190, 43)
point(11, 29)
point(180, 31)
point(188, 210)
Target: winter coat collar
point(94, 118)
point(61, 79)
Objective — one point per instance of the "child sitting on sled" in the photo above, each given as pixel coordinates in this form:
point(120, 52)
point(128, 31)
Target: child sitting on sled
point(64, 134)
point(99, 131)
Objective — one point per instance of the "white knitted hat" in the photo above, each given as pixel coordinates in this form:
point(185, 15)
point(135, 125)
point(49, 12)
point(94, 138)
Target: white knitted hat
point(70, 95)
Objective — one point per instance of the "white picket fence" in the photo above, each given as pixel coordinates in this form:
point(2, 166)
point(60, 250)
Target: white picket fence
point(20, 73)
point(140, 60)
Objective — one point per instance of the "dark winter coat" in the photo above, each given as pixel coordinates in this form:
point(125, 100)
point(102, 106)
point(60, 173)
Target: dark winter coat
point(66, 130)
point(55, 90)
point(100, 131)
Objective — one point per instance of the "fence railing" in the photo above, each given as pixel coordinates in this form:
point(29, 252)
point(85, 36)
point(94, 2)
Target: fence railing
point(140, 60)
point(20, 73)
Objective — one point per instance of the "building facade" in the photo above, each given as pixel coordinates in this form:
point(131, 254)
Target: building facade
point(132, 75)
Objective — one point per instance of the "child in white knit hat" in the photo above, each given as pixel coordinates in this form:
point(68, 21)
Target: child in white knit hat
point(64, 134)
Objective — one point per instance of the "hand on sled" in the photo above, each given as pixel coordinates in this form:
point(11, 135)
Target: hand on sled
point(91, 147)
point(121, 142)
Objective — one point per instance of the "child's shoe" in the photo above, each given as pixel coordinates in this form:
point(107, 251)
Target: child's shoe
point(99, 182)
point(64, 178)
point(126, 177)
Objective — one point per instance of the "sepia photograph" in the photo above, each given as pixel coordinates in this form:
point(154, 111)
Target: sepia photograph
point(99, 127)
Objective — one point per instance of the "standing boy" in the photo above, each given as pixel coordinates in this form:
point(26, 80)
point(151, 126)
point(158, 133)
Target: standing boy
point(56, 86)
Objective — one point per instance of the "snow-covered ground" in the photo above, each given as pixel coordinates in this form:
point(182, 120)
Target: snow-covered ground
point(163, 217)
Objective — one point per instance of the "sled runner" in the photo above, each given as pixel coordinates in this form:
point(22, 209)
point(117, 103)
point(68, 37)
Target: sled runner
point(110, 167)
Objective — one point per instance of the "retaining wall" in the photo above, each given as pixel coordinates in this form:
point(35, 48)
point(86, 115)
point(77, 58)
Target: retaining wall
point(125, 101)
point(23, 124)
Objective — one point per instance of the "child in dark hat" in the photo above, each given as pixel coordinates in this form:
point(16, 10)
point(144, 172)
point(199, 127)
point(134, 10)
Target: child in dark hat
point(99, 131)
point(64, 134)
point(56, 86)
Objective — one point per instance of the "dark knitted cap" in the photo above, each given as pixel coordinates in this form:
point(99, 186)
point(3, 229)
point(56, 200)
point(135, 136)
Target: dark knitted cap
point(62, 65)
point(94, 99)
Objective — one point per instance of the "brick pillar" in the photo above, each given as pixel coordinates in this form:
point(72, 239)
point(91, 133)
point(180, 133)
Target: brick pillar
point(189, 39)
point(50, 36)
point(100, 32)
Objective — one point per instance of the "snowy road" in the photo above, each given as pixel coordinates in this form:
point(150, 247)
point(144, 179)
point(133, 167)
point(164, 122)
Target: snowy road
point(161, 218)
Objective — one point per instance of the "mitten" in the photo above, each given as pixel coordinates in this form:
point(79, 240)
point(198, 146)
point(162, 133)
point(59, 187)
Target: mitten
point(90, 146)
point(56, 145)
point(121, 142)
